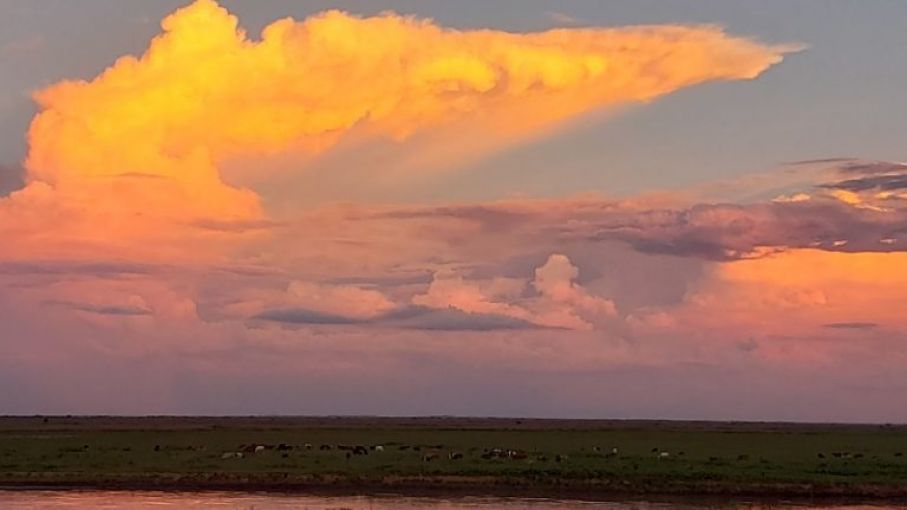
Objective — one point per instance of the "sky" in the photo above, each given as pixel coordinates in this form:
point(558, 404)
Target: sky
point(585, 209)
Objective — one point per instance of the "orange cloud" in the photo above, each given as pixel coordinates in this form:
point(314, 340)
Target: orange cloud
point(794, 293)
point(142, 145)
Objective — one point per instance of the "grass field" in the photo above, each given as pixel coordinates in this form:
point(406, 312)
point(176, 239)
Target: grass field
point(544, 456)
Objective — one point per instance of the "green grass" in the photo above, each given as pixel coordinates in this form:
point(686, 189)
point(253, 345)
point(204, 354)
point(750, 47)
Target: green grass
point(739, 454)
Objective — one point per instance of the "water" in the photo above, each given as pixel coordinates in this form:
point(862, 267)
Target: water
point(77, 500)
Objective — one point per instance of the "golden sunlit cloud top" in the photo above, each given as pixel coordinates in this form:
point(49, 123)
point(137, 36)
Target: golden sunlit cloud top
point(160, 125)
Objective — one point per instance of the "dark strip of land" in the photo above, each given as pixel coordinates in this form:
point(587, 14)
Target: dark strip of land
point(443, 455)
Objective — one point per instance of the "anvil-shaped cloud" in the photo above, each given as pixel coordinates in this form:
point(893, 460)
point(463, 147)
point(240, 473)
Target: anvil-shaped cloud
point(128, 240)
point(145, 141)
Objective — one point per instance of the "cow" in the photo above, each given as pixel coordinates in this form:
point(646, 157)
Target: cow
point(454, 456)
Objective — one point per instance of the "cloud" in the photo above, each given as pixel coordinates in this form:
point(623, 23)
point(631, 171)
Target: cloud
point(866, 214)
point(404, 318)
point(884, 182)
point(558, 301)
point(303, 316)
point(204, 93)
point(562, 18)
point(135, 306)
point(453, 319)
point(138, 242)
point(342, 300)
point(855, 166)
point(99, 269)
point(792, 293)
point(851, 325)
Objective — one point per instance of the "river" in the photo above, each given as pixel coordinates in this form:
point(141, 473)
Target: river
point(98, 500)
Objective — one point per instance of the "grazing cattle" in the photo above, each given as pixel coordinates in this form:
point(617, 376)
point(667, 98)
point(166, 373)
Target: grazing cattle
point(308, 446)
point(821, 455)
point(360, 450)
point(517, 455)
point(430, 457)
point(379, 448)
point(664, 455)
point(858, 456)
point(487, 455)
point(232, 455)
point(614, 451)
point(898, 454)
point(681, 453)
point(325, 447)
point(157, 447)
point(596, 449)
point(454, 456)
point(283, 447)
point(655, 450)
point(259, 449)
point(559, 458)
point(743, 457)
point(404, 447)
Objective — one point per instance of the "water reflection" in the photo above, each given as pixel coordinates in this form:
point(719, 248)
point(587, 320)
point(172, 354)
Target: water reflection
point(54, 500)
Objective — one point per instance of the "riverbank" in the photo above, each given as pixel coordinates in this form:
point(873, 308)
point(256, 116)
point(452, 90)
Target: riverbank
point(442, 457)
